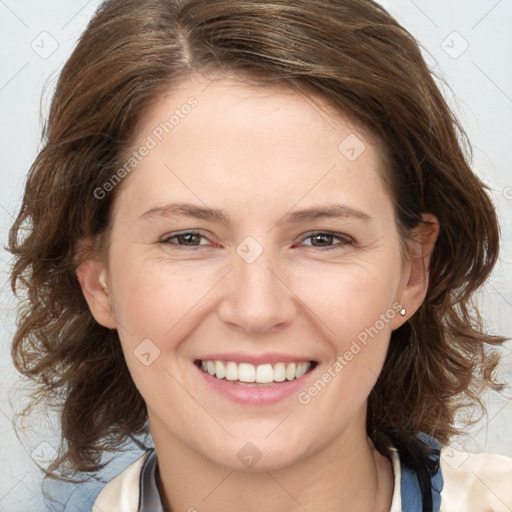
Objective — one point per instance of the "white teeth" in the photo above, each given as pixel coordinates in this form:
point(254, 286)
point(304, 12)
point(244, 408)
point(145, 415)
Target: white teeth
point(302, 368)
point(220, 370)
point(264, 373)
point(231, 371)
point(279, 372)
point(290, 371)
point(249, 373)
point(246, 372)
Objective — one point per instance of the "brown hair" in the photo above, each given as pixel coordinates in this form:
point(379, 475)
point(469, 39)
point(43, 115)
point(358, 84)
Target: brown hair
point(350, 52)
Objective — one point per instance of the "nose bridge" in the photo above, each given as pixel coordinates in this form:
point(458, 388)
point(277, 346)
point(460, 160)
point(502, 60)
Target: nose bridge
point(256, 300)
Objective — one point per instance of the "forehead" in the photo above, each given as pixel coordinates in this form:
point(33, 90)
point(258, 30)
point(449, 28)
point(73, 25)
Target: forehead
point(209, 138)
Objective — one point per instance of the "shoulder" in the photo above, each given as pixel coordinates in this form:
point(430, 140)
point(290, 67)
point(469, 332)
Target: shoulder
point(475, 482)
point(121, 494)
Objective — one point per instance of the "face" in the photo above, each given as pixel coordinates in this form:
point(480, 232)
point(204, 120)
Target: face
point(252, 242)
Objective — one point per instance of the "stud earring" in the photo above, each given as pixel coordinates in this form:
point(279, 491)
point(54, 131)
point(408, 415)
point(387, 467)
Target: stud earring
point(104, 286)
point(403, 311)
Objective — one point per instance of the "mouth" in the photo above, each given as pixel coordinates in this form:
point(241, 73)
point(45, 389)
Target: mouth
point(248, 374)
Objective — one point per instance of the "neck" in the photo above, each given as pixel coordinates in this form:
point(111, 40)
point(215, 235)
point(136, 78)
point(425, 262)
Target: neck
point(347, 474)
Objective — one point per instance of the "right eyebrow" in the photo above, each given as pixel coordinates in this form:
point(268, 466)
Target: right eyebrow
point(335, 211)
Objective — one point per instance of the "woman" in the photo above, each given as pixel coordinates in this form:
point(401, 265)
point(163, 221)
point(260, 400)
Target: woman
point(253, 232)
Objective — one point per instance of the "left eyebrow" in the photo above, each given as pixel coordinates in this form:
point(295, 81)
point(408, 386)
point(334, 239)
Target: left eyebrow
point(336, 211)
point(187, 210)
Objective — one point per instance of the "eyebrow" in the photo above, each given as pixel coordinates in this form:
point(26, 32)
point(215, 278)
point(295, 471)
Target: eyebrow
point(187, 210)
point(216, 215)
point(336, 211)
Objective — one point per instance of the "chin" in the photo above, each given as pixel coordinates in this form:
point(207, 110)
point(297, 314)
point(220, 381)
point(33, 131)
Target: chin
point(257, 453)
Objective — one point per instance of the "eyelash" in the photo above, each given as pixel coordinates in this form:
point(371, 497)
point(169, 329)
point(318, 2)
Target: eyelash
point(342, 239)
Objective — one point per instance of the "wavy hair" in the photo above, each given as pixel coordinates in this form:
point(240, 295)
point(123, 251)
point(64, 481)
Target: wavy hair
point(349, 52)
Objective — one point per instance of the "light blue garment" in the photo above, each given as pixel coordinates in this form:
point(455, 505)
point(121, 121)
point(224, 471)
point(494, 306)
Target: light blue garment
point(410, 489)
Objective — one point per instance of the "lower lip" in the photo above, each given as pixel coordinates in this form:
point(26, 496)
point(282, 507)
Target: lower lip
point(265, 394)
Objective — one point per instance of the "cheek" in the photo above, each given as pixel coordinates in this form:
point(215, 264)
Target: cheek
point(156, 299)
point(153, 302)
point(354, 308)
point(157, 307)
point(348, 299)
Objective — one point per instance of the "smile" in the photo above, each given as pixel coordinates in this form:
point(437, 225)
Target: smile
point(246, 373)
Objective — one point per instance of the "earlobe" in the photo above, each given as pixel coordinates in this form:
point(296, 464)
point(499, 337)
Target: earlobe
point(92, 278)
point(416, 278)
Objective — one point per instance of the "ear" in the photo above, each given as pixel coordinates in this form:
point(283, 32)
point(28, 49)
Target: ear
point(416, 272)
point(92, 275)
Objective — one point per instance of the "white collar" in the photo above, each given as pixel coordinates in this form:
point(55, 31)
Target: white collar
point(396, 502)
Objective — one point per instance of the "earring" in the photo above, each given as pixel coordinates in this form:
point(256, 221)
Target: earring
point(104, 286)
point(403, 311)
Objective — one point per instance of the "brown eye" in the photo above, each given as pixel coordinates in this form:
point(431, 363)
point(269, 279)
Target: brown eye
point(188, 238)
point(326, 240)
point(322, 240)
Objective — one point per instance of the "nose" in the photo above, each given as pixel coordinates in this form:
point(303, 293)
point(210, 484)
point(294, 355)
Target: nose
point(256, 297)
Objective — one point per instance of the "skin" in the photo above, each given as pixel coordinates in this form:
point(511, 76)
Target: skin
point(259, 154)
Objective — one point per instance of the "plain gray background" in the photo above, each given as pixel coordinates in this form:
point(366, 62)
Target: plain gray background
point(467, 42)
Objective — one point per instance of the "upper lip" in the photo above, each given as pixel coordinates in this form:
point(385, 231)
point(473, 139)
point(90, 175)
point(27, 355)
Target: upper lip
point(256, 359)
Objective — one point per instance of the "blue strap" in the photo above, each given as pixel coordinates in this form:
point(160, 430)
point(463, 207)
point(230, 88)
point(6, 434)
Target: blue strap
point(410, 489)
